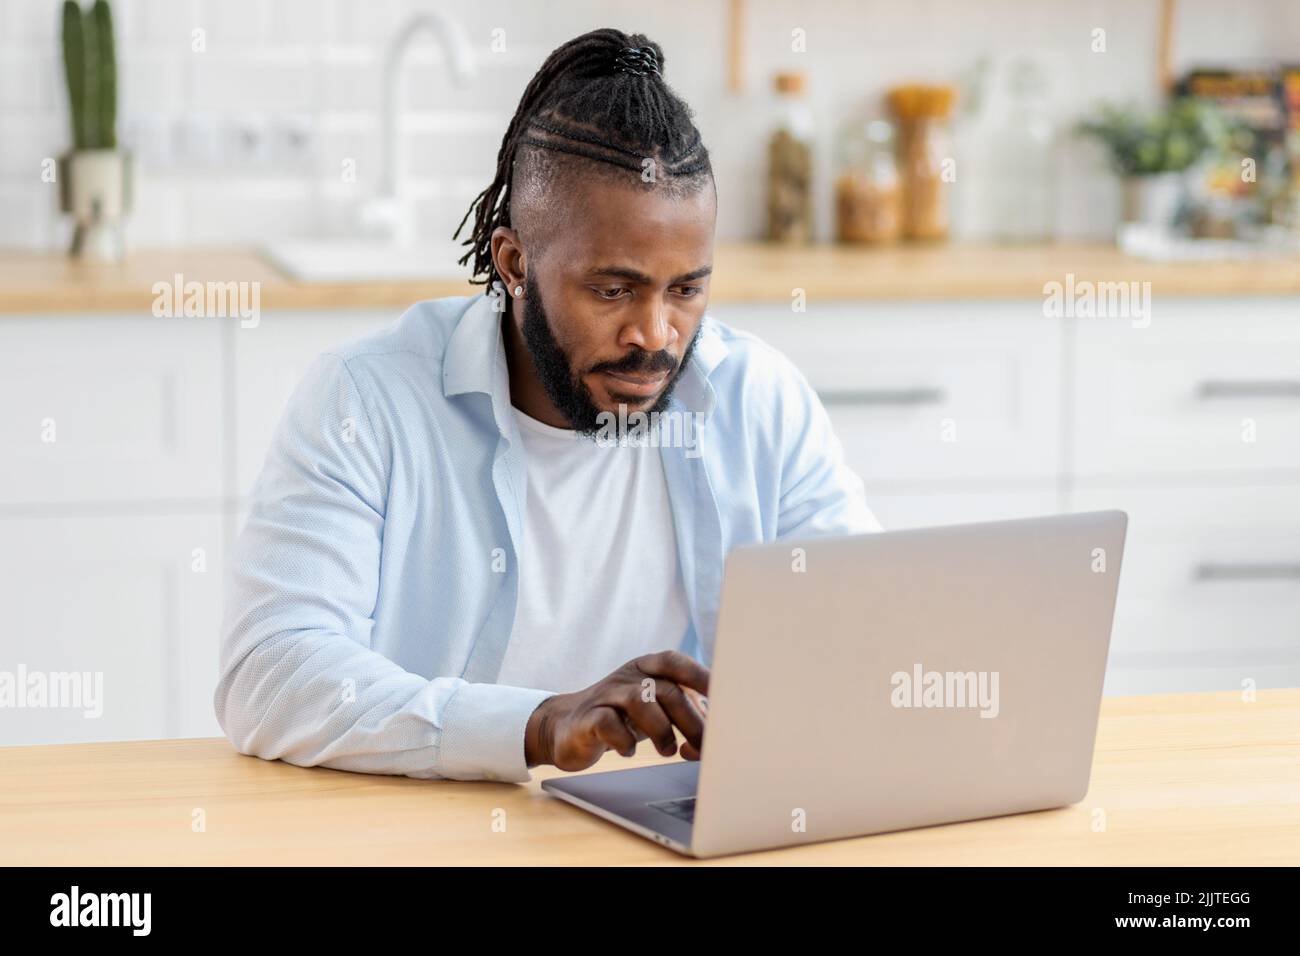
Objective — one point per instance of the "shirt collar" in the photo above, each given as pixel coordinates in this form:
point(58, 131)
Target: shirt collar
point(475, 359)
point(475, 353)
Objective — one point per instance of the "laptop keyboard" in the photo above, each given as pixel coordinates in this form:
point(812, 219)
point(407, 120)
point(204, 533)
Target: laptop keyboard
point(683, 808)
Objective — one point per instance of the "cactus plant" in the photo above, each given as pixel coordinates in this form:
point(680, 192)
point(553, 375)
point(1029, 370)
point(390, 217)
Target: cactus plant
point(91, 69)
point(106, 67)
point(74, 66)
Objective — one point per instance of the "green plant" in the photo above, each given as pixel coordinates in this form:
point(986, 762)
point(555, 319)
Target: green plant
point(90, 67)
point(1167, 141)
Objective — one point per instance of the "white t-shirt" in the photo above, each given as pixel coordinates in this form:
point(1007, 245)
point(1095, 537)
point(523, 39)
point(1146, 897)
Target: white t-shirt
point(599, 580)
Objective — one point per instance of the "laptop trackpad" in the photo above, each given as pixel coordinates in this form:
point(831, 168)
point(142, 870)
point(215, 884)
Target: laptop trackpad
point(634, 794)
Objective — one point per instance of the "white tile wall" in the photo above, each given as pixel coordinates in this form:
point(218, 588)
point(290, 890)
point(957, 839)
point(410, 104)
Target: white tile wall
point(316, 62)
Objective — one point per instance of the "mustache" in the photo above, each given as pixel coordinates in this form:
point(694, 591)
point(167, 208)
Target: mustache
point(639, 361)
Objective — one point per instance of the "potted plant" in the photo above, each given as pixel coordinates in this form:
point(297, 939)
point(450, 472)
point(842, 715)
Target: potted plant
point(1150, 153)
point(94, 176)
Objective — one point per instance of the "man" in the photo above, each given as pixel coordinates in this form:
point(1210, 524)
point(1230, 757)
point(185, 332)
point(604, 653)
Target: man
point(492, 536)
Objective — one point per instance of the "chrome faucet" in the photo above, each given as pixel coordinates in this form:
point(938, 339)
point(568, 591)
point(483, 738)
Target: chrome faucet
point(384, 211)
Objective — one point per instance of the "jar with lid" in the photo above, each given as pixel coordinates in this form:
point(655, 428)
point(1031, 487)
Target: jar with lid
point(790, 163)
point(868, 190)
point(925, 158)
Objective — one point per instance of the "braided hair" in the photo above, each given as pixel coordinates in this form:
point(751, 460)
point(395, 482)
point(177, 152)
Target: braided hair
point(600, 101)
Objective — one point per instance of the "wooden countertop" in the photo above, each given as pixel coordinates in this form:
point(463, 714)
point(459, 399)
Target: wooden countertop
point(1183, 779)
point(32, 282)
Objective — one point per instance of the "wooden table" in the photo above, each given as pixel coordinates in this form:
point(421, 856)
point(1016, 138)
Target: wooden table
point(1180, 779)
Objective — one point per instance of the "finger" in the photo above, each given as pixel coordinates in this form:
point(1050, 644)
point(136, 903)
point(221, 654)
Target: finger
point(689, 752)
point(611, 730)
point(680, 711)
point(699, 700)
point(676, 667)
point(633, 729)
point(650, 718)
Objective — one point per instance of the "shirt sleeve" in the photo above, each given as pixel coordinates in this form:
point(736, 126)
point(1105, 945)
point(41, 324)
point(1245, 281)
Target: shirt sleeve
point(820, 494)
point(299, 680)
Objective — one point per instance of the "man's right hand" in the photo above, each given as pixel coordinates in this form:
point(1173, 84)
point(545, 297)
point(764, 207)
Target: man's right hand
point(645, 698)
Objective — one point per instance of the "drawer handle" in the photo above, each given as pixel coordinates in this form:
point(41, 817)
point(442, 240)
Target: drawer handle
point(1248, 571)
point(883, 396)
point(1280, 388)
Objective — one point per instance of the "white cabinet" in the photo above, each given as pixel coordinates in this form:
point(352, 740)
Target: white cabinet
point(270, 359)
point(110, 408)
point(1209, 593)
point(1192, 426)
point(132, 601)
point(125, 443)
point(1212, 386)
point(925, 392)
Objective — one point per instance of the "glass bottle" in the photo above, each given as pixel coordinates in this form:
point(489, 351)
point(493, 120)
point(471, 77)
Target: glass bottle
point(790, 163)
point(1022, 171)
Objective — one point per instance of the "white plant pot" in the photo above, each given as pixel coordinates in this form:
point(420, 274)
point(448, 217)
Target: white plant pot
point(95, 189)
point(1153, 200)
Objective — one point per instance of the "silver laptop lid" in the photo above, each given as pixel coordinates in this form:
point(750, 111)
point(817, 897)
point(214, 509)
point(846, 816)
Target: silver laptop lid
point(884, 681)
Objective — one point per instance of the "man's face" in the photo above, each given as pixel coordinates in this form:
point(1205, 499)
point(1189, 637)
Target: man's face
point(613, 306)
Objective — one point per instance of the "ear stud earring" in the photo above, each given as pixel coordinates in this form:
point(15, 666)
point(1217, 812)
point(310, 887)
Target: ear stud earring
point(519, 290)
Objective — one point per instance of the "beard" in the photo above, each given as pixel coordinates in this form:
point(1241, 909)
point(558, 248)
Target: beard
point(563, 383)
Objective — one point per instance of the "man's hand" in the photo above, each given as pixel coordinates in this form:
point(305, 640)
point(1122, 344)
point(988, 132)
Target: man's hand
point(644, 698)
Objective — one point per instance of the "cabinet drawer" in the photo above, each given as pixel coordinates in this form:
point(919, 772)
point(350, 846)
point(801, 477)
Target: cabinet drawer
point(134, 599)
point(1211, 386)
point(1211, 580)
point(110, 408)
point(924, 390)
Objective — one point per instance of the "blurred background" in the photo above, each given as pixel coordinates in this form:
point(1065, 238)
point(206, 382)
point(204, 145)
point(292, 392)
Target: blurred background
point(1035, 256)
point(239, 112)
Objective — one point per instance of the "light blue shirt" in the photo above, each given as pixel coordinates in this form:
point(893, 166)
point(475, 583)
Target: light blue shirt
point(374, 586)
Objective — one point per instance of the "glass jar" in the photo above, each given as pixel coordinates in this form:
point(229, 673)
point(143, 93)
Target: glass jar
point(925, 158)
point(868, 190)
point(790, 164)
point(1021, 167)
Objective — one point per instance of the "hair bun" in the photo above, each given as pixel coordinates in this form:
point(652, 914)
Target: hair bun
point(639, 60)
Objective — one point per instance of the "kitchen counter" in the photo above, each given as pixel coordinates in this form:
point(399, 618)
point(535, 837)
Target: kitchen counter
point(48, 282)
point(1179, 779)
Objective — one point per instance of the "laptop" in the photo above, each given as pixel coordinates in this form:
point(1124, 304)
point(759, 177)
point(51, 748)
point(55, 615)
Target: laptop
point(878, 682)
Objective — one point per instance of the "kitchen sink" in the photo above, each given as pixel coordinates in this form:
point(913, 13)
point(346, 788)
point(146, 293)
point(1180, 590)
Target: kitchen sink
point(360, 260)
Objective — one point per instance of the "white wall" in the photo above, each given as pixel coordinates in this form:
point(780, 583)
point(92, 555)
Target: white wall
point(314, 64)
